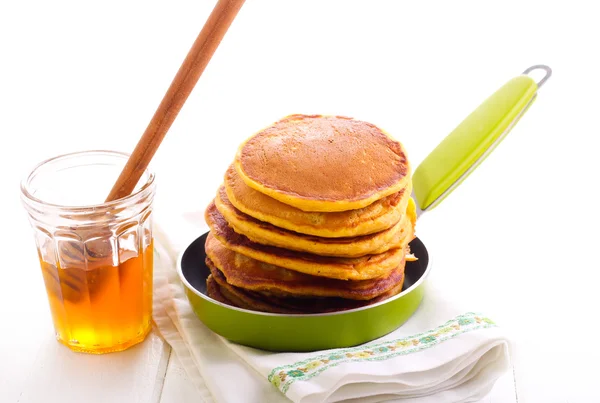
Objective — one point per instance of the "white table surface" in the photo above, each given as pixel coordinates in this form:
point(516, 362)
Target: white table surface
point(518, 240)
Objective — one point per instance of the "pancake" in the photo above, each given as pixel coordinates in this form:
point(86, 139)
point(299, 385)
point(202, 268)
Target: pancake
point(218, 289)
point(250, 274)
point(378, 216)
point(238, 298)
point(411, 212)
point(214, 291)
point(267, 234)
point(245, 299)
point(323, 163)
point(360, 268)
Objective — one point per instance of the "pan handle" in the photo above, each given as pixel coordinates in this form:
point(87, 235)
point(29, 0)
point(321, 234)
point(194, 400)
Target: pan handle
point(474, 139)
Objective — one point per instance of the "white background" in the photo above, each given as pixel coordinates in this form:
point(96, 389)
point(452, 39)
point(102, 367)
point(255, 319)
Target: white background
point(517, 240)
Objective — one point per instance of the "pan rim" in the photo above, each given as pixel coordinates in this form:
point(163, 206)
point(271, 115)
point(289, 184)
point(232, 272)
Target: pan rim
point(187, 285)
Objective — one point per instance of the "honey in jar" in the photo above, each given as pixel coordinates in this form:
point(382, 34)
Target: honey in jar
point(96, 259)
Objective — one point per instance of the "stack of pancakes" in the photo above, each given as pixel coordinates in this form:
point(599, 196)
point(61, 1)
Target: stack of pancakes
point(314, 215)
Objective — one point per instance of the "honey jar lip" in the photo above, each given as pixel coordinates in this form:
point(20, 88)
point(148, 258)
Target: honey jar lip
point(32, 201)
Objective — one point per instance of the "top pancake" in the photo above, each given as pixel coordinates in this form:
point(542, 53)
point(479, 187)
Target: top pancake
point(323, 163)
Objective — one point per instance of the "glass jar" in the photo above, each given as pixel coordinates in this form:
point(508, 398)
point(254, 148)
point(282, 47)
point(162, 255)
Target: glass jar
point(96, 257)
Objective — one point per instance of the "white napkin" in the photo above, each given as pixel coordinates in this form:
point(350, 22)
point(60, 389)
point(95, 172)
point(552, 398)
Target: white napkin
point(442, 354)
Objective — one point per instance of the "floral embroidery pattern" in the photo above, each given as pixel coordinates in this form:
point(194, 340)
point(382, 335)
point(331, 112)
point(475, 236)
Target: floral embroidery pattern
point(283, 377)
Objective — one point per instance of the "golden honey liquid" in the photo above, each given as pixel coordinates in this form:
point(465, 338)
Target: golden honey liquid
point(102, 306)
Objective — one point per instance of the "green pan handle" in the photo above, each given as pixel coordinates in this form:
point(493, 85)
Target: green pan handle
point(473, 140)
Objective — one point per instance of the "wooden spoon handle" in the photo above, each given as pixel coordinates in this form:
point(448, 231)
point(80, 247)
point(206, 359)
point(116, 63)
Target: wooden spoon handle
point(182, 85)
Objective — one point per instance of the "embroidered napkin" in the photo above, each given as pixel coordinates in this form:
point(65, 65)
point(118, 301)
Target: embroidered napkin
point(442, 354)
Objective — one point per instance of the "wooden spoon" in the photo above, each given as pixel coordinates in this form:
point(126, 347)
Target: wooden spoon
point(182, 85)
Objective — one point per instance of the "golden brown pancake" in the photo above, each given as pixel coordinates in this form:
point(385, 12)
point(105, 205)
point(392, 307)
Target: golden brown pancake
point(241, 298)
point(378, 216)
point(323, 163)
point(411, 211)
point(361, 268)
point(250, 274)
point(218, 289)
point(264, 233)
point(230, 295)
point(214, 291)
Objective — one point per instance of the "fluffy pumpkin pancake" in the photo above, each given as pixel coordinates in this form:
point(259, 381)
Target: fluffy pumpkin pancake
point(267, 234)
point(218, 289)
point(323, 163)
point(360, 268)
point(251, 274)
point(230, 295)
point(378, 216)
point(214, 291)
point(265, 303)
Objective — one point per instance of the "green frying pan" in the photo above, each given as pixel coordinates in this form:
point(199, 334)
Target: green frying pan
point(433, 180)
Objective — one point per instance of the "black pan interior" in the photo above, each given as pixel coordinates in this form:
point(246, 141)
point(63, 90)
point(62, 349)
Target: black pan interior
point(195, 270)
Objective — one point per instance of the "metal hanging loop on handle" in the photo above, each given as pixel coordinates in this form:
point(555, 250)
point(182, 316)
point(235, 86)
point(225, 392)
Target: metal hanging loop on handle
point(547, 69)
